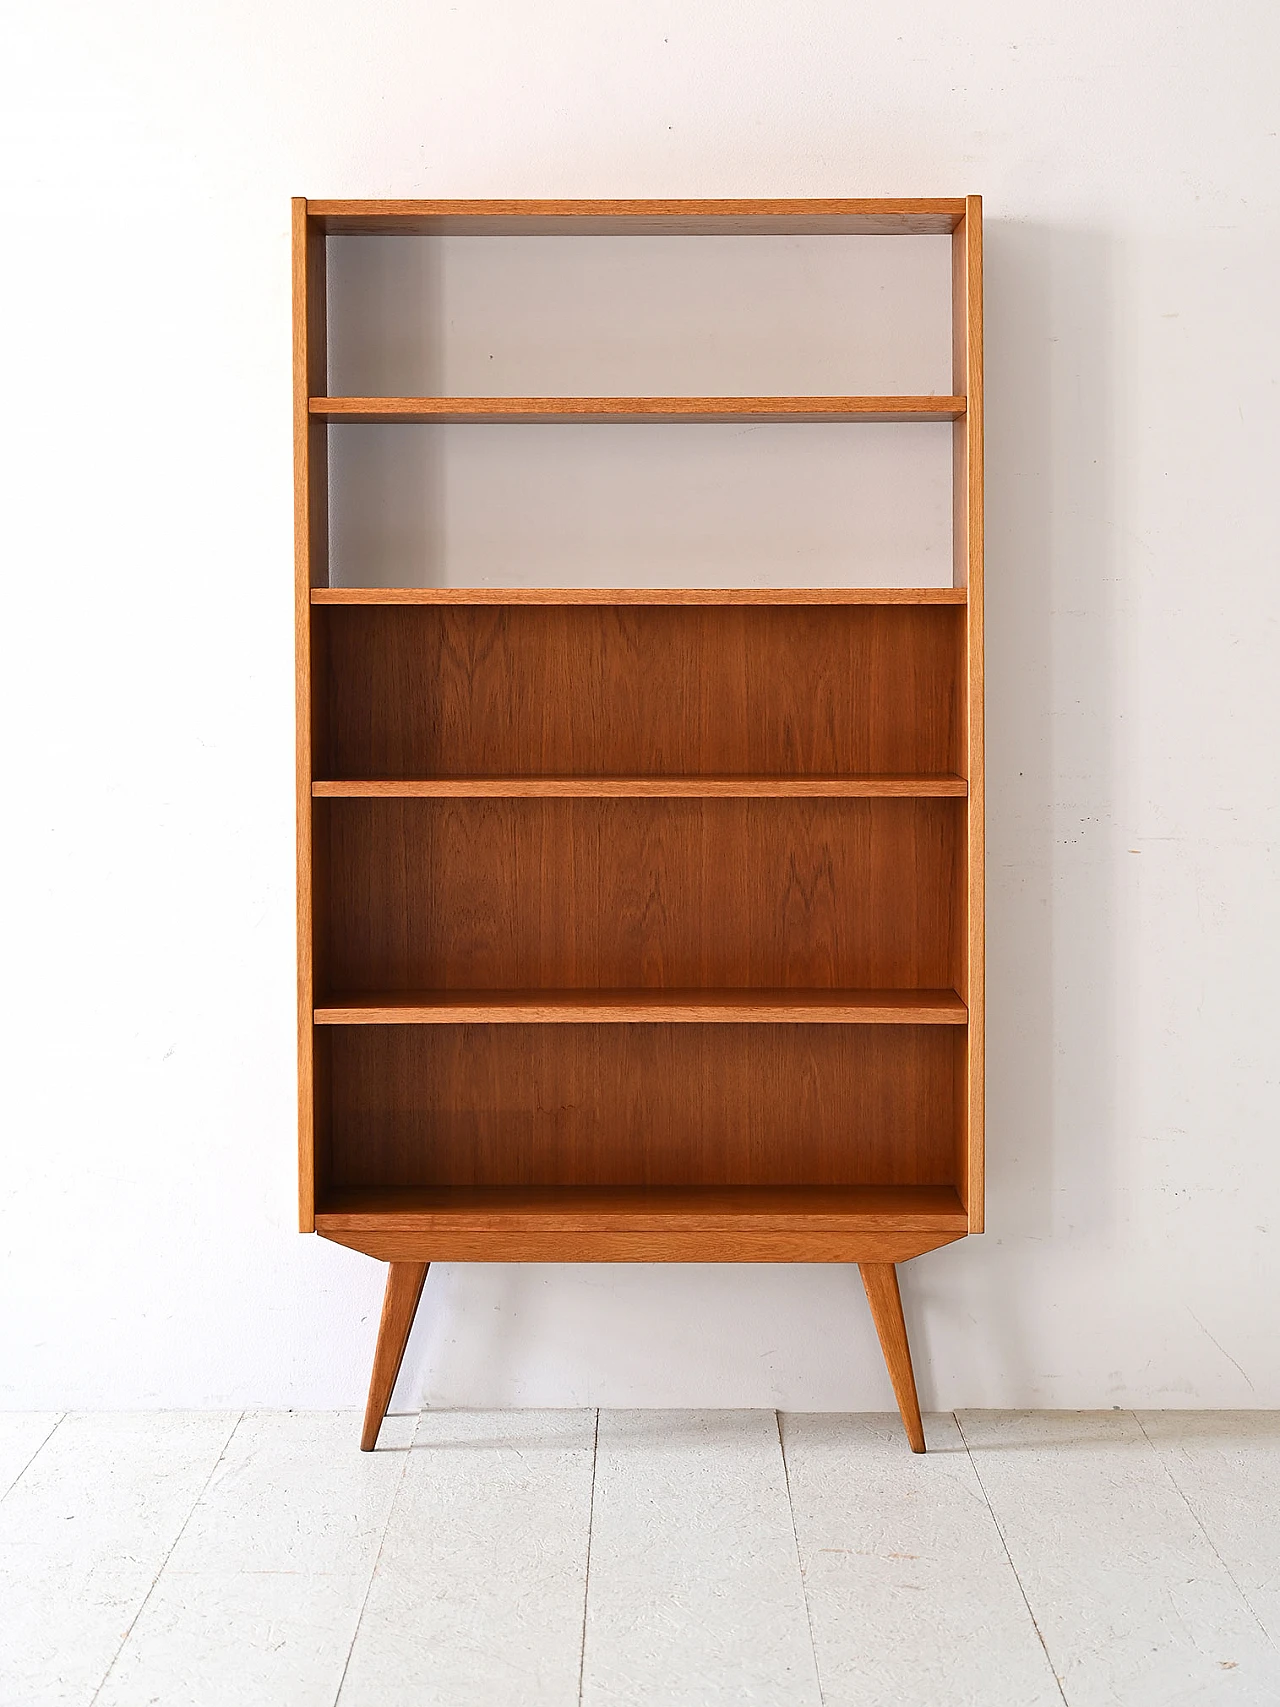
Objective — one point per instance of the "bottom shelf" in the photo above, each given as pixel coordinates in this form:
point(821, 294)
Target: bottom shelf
point(651, 1208)
point(795, 1223)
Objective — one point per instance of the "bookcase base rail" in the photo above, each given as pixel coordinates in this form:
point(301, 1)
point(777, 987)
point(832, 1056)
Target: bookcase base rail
point(404, 1245)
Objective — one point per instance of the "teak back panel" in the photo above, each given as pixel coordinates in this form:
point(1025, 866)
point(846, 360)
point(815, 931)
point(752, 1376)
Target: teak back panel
point(645, 691)
point(643, 1104)
point(571, 894)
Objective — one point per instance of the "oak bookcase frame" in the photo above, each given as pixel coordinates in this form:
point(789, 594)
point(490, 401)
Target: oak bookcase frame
point(847, 1124)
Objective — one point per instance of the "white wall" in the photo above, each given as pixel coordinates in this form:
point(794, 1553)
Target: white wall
point(1129, 160)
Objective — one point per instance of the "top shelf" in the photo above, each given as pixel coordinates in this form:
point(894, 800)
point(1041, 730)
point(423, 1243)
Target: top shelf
point(639, 595)
point(863, 217)
point(561, 410)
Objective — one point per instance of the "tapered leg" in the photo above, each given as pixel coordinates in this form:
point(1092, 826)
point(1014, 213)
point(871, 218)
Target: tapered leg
point(881, 1282)
point(399, 1305)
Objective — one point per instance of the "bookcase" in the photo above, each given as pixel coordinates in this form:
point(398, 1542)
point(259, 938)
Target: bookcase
point(640, 925)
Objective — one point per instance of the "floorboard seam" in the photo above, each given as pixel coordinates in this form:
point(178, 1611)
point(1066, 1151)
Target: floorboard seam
point(160, 1569)
point(62, 1415)
point(1196, 1519)
point(795, 1537)
point(586, 1574)
point(1035, 1622)
point(373, 1569)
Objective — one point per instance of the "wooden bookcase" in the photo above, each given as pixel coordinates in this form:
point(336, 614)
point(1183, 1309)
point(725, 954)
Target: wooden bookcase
point(640, 926)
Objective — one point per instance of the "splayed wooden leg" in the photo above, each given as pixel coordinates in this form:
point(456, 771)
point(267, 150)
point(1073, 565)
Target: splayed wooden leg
point(399, 1305)
point(880, 1280)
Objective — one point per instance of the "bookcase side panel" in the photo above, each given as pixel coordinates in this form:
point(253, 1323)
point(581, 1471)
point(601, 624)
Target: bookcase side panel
point(310, 570)
point(967, 540)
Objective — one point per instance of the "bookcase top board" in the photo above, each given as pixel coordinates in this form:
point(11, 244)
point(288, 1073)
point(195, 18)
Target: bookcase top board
point(835, 217)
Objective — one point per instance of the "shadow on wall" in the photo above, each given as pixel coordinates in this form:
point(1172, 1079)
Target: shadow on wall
point(1052, 659)
point(723, 504)
point(801, 1339)
point(387, 488)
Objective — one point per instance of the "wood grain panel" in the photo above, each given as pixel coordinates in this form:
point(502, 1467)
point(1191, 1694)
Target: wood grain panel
point(643, 1104)
point(652, 1209)
point(561, 411)
point(645, 1224)
point(643, 787)
point(310, 547)
point(967, 544)
point(646, 1007)
point(648, 691)
point(621, 894)
point(394, 1244)
point(975, 988)
point(639, 596)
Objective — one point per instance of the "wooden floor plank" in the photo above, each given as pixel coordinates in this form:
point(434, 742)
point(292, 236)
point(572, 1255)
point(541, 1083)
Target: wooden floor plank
point(260, 1598)
point(903, 1564)
point(478, 1594)
point(83, 1533)
point(694, 1596)
point(1132, 1601)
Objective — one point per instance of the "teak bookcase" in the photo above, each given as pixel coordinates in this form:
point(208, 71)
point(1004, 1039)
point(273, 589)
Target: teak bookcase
point(640, 926)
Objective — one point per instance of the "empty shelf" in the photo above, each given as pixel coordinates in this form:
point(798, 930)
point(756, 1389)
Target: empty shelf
point(453, 411)
point(644, 787)
point(653, 1007)
point(686, 1208)
point(639, 595)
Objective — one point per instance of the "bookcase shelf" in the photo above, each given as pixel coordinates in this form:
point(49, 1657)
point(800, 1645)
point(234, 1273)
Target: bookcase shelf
point(645, 1007)
point(639, 924)
point(638, 1223)
point(646, 788)
point(639, 595)
point(875, 1208)
point(563, 411)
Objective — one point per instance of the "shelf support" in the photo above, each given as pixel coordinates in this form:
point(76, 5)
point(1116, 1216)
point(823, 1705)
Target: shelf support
point(880, 1280)
point(399, 1306)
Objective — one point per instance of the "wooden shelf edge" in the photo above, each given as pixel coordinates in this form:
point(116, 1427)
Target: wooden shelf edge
point(647, 788)
point(646, 1007)
point(456, 411)
point(832, 1209)
point(639, 595)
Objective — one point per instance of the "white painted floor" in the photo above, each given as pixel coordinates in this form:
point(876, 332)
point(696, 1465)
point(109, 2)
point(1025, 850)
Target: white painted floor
point(688, 1559)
